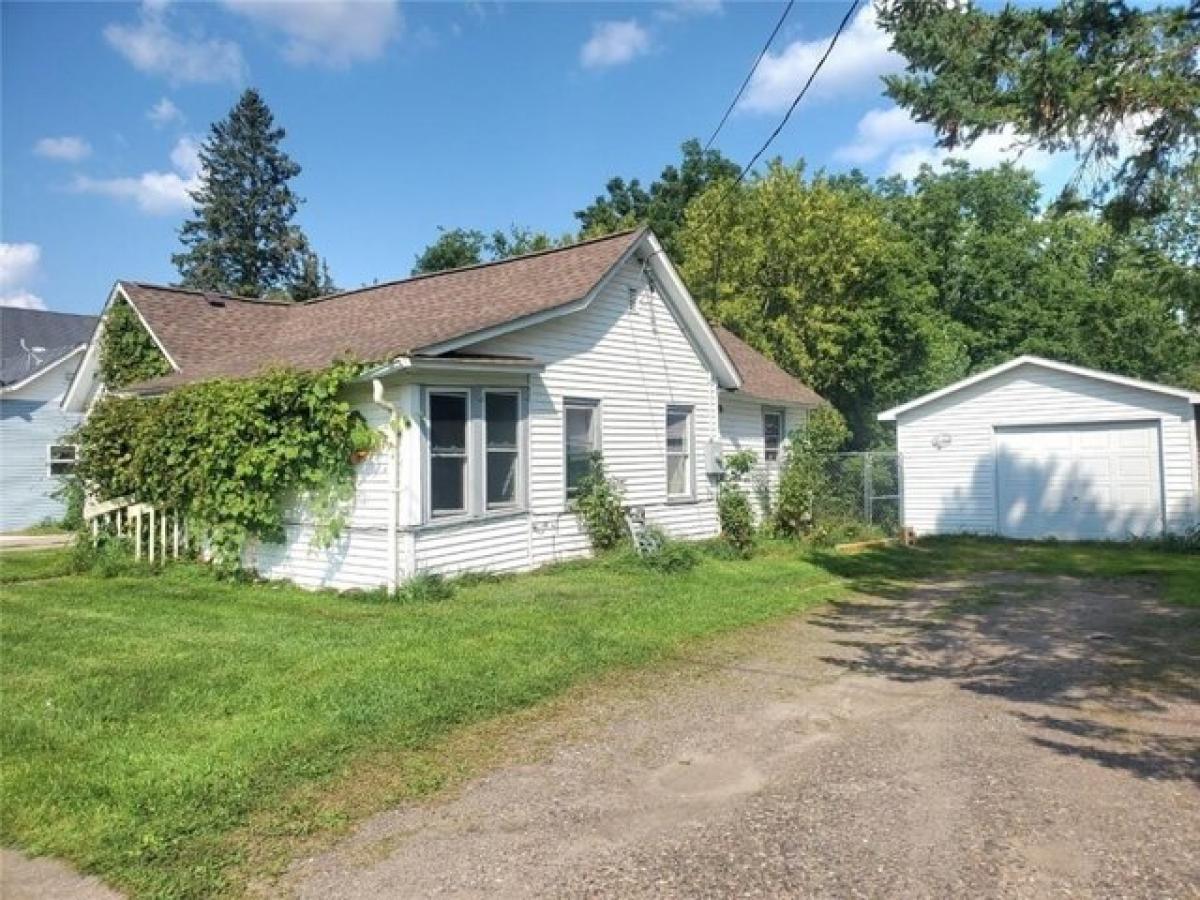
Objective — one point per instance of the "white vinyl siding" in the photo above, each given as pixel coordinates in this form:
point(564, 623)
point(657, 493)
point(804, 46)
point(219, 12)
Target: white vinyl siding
point(742, 421)
point(31, 420)
point(954, 489)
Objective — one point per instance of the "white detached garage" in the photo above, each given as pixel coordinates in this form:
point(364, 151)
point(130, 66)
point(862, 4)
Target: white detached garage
point(1036, 448)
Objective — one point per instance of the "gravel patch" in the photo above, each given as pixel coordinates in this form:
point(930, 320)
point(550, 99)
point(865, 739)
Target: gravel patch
point(971, 738)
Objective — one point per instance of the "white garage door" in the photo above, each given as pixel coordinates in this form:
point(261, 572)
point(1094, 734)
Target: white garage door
point(1079, 482)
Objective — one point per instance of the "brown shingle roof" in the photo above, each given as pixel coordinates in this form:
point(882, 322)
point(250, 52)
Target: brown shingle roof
point(761, 378)
point(213, 335)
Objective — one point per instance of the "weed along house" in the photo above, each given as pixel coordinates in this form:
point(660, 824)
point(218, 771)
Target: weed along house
point(1036, 448)
point(495, 385)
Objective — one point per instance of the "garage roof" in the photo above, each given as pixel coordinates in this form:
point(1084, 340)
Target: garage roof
point(891, 414)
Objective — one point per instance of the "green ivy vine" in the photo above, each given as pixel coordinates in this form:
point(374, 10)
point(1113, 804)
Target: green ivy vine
point(127, 352)
point(229, 454)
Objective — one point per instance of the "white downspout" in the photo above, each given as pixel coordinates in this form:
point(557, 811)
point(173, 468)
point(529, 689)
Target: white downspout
point(393, 531)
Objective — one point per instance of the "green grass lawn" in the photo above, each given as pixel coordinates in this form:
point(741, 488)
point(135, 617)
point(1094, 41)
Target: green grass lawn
point(171, 733)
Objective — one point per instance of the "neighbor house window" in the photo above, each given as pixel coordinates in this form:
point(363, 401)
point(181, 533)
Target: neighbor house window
point(501, 424)
point(772, 434)
point(61, 459)
point(581, 439)
point(448, 417)
point(679, 451)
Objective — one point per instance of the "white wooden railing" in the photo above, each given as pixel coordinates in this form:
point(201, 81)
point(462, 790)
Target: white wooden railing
point(162, 532)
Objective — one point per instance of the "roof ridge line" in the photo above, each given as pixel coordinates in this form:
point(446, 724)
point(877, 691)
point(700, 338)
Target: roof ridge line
point(482, 265)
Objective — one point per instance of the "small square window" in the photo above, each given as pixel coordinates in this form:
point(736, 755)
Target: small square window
point(61, 459)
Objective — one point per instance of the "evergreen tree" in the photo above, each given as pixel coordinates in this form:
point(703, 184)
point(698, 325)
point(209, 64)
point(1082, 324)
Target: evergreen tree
point(314, 280)
point(241, 238)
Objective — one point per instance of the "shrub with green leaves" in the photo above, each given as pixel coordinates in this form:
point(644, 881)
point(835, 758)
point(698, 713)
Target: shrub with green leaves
point(733, 506)
point(804, 480)
point(599, 505)
point(228, 454)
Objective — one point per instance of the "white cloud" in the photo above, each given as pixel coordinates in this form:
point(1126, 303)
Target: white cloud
point(18, 263)
point(164, 112)
point(862, 55)
point(679, 9)
point(880, 129)
point(67, 149)
point(22, 300)
point(153, 47)
point(154, 193)
point(614, 44)
point(904, 146)
point(332, 33)
point(18, 266)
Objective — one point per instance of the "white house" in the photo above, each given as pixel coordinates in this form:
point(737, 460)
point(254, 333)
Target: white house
point(39, 352)
point(1035, 448)
point(512, 374)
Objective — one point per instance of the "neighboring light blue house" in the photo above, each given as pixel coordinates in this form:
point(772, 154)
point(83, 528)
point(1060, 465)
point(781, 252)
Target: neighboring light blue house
point(39, 352)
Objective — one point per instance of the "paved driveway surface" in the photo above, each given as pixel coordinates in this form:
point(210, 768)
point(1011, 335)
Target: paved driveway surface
point(1010, 736)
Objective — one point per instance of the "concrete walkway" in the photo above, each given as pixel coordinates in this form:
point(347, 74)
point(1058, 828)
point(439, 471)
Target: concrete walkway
point(34, 541)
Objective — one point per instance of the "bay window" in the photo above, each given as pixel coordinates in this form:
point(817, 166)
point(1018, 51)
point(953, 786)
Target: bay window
point(448, 426)
point(501, 424)
point(475, 452)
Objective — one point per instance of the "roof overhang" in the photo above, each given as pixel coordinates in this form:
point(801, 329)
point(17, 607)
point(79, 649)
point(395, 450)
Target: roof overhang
point(516, 365)
point(1042, 363)
point(647, 249)
point(30, 379)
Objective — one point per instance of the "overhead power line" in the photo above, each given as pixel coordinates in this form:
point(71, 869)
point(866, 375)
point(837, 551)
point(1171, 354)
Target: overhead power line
point(804, 90)
point(754, 68)
point(786, 116)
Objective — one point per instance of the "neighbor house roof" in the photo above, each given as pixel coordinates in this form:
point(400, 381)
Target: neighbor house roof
point(208, 335)
point(32, 341)
point(761, 377)
point(1042, 363)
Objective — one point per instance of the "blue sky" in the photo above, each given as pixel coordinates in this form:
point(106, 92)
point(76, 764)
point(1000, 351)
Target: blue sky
point(405, 117)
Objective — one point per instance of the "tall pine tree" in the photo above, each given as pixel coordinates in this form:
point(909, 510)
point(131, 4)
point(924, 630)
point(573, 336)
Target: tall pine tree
point(241, 238)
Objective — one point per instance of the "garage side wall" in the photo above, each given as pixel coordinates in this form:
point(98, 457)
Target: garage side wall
point(953, 489)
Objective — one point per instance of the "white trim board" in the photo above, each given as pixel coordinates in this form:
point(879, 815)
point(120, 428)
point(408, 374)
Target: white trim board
point(1053, 365)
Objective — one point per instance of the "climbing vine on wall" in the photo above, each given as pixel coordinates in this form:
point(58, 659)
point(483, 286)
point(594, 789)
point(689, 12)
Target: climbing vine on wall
point(229, 454)
point(127, 352)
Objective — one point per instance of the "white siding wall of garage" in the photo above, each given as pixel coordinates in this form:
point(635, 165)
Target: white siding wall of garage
point(954, 489)
point(634, 358)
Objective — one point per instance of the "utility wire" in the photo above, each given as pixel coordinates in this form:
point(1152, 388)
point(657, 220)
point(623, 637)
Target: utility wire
point(795, 102)
point(754, 68)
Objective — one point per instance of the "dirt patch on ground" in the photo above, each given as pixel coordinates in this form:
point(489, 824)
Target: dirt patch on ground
point(1005, 735)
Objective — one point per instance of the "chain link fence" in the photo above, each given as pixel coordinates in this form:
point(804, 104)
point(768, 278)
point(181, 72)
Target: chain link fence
point(861, 488)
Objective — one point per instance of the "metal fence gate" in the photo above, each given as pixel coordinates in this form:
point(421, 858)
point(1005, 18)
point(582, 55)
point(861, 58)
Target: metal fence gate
point(862, 487)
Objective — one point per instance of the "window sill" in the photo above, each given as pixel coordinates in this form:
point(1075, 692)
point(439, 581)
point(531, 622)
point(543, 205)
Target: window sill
point(682, 501)
point(494, 515)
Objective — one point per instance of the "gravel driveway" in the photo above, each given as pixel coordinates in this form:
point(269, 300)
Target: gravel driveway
point(1008, 736)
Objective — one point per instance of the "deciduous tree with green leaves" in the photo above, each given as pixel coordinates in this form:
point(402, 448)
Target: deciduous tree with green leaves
point(458, 247)
point(626, 204)
point(242, 237)
point(816, 276)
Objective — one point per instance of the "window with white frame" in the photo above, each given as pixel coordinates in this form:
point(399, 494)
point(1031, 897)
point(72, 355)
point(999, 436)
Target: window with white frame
point(581, 439)
point(502, 448)
point(772, 434)
point(679, 451)
point(449, 415)
point(61, 459)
